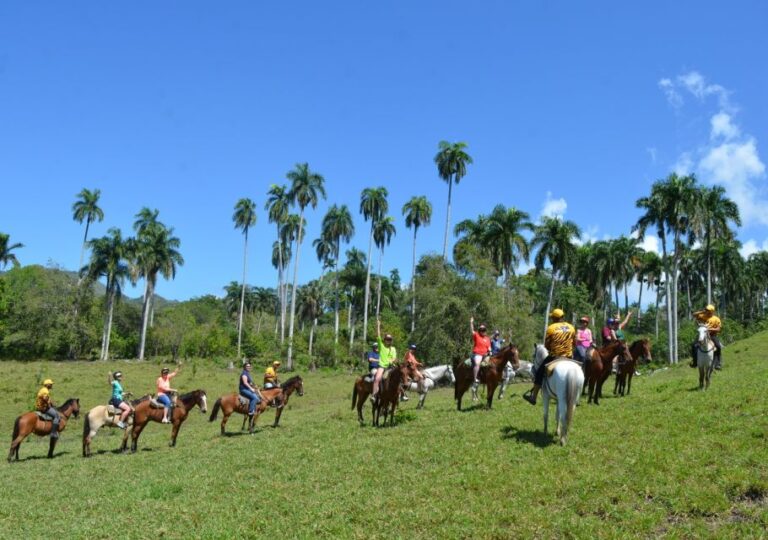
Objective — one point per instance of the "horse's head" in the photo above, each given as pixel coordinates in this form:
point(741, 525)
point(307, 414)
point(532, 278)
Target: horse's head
point(513, 356)
point(451, 376)
point(626, 356)
point(201, 400)
point(299, 385)
point(76, 407)
point(702, 334)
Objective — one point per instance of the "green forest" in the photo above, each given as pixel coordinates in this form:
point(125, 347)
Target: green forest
point(52, 313)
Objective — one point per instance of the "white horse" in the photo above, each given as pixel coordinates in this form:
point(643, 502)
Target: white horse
point(525, 371)
point(705, 354)
point(565, 384)
point(98, 417)
point(431, 377)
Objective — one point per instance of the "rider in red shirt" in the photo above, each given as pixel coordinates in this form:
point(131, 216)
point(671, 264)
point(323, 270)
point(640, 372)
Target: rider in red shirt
point(481, 347)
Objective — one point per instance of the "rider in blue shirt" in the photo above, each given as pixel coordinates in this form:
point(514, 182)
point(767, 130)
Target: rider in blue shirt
point(496, 343)
point(248, 390)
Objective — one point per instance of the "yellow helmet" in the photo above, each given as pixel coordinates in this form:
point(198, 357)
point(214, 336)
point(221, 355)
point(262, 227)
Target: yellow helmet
point(47, 382)
point(710, 308)
point(557, 313)
point(275, 363)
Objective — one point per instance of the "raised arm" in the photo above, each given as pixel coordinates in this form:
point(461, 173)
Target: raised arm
point(472, 324)
point(378, 329)
point(626, 320)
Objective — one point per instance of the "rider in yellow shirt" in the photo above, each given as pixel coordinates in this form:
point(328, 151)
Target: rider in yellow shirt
point(713, 323)
point(44, 404)
point(270, 375)
point(560, 342)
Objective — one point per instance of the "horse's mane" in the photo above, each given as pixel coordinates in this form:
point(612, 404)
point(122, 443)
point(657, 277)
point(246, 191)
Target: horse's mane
point(290, 381)
point(189, 395)
point(139, 400)
point(637, 341)
point(66, 404)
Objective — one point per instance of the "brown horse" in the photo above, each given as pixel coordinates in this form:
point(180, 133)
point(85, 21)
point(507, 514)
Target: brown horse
point(288, 387)
point(364, 388)
point(489, 375)
point(31, 423)
point(389, 394)
point(144, 412)
point(599, 368)
point(639, 350)
point(231, 403)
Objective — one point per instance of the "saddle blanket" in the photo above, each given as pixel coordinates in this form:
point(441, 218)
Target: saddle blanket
point(369, 378)
point(483, 363)
point(551, 365)
point(111, 410)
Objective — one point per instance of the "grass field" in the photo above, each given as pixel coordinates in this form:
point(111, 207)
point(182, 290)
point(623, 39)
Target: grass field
point(665, 461)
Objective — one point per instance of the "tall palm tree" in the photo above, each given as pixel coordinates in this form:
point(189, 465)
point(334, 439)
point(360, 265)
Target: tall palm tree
point(277, 206)
point(6, 257)
point(373, 206)
point(86, 208)
point(503, 237)
point(353, 276)
point(451, 160)
point(418, 213)
point(555, 240)
point(157, 252)
point(629, 254)
point(311, 298)
point(108, 260)
point(307, 188)
point(382, 235)
point(244, 218)
point(337, 226)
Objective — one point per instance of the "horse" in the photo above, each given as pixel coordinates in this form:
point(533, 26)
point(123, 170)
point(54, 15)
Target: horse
point(99, 417)
point(705, 355)
point(389, 395)
point(524, 371)
point(363, 388)
point(31, 423)
point(639, 350)
point(231, 403)
point(288, 387)
point(144, 412)
point(565, 385)
point(431, 377)
point(599, 368)
point(489, 375)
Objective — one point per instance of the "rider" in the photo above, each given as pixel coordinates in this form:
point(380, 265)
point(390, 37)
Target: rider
point(248, 390)
point(584, 340)
point(44, 404)
point(117, 399)
point(713, 323)
point(416, 366)
point(373, 358)
point(387, 355)
point(559, 341)
point(607, 333)
point(481, 347)
point(618, 330)
point(163, 384)
point(496, 343)
point(270, 376)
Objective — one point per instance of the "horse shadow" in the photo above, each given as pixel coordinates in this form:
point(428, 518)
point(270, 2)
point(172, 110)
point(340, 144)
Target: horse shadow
point(537, 438)
point(35, 458)
point(475, 407)
point(229, 434)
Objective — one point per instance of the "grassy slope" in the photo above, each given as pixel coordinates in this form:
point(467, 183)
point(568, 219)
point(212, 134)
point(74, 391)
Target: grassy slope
point(666, 460)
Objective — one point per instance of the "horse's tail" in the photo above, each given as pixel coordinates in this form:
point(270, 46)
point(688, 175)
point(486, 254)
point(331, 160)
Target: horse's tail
point(215, 411)
point(87, 425)
point(354, 395)
point(16, 428)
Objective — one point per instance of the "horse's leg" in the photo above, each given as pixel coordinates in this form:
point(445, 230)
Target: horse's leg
point(422, 397)
point(629, 380)
point(175, 432)
point(491, 389)
point(278, 413)
point(245, 419)
point(225, 417)
point(51, 446)
point(137, 429)
point(545, 403)
point(124, 445)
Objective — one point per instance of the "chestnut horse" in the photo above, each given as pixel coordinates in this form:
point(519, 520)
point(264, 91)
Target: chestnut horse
point(364, 388)
point(144, 412)
point(639, 350)
point(600, 365)
point(389, 394)
point(288, 387)
point(231, 403)
point(31, 423)
point(489, 375)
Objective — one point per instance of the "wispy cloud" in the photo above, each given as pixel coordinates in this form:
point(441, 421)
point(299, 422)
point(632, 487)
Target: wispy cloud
point(750, 247)
point(553, 207)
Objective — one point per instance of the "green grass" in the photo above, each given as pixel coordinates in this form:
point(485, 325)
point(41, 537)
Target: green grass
point(665, 461)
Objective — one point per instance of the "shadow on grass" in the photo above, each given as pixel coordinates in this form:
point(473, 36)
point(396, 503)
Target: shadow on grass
point(475, 407)
point(536, 438)
point(229, 434)
point(44, 456)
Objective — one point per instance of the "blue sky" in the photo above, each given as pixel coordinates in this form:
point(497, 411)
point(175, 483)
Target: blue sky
point(189, 106)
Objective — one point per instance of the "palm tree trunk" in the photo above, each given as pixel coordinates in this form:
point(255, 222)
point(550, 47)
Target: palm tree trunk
point(616, 295)
point(106, 320)
point(312, 335)
point(413, 283)
point(549, 304)
point(626, 300)
point(145, 316)
point(367, 285)
point(82, 252)
point(109, 324)
point(688, 294)
point(709, 269)
point(447, 219)
point(289, 360)
point(336, 290)
point(281, 284)
point(242, 296)
point(378, 287)
point(639, 305)
point(657, 312)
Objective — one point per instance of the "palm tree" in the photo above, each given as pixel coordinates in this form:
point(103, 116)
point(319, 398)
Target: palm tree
point(629, 254)
point(337, 226)
point(306, 189)
point(451, 161)
point(6, 257)
point(232, 293)
point(353, 277)
point(310, 298)
point(277, 206)
point(555, 240)
point(418, 213)
point(86, 208)
point(108, 260)
point(373, 206)
point(244, 218)
point(382, 235)
point(503, 237)
point(157, 252)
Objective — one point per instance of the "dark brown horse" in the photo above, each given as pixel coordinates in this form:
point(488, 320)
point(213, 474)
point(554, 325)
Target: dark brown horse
point(489, 375)
point(599, 368)
point(31, 423)
point(389, 394)
point(639, 350)
point(144, 412)
point(364, 388)
point(231, 403)
point(294, 384)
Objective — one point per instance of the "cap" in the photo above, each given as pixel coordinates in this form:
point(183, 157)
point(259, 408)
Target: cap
point(710, 308)
point(412, 346)
point(584, 319)
point(557, 313)
point(46, 382)
point(276, 363)
point(388, 336)
point(609, 320)
point(117, 374)
point(165, 370)
point(482, 327)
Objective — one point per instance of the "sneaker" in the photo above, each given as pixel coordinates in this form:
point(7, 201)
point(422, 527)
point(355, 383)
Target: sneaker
point(404, 398)
point(121, 425)
point(637, 373)
point(166, 421)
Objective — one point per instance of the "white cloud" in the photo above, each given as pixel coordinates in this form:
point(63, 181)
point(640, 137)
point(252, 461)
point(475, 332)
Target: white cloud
point(684, 164)
point(650, 242)
point(651, 152)
point(694, 83)
point(750, 247)
point(673, 97)
point(723, 127)
point(553, 207)
point(588, 235)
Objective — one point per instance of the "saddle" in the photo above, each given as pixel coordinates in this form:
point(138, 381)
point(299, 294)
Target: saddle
point(154, 404)
point(112, 410)
point(483, 363)
point(44, 417)
point(243, 401)
point(551, 366)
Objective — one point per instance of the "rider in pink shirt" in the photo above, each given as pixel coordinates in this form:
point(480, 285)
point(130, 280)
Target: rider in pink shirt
point(583, 339)
point(163, 384)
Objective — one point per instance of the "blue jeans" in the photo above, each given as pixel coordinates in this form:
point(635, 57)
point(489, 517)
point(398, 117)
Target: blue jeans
point(53, 413)
point(165, 400)
point(253, 397)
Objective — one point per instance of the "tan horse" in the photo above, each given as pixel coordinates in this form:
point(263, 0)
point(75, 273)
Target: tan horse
point(144, 412)
point(31, 423)
point(231, 403)
point(104, 415)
